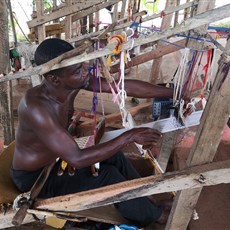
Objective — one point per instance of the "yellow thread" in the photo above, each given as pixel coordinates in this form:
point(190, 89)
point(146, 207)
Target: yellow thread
point(63, 165)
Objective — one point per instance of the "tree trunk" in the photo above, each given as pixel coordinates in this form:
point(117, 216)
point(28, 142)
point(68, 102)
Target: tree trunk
point(5, 88)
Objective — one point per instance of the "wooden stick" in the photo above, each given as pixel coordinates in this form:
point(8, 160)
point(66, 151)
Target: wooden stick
point(35, 190)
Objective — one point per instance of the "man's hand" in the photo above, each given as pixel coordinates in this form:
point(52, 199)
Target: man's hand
point(146, 136)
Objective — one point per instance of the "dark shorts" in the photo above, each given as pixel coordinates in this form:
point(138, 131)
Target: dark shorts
point(114, 170)
point(24, 180)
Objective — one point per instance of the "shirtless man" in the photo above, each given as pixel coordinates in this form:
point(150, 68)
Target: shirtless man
point(42, 137)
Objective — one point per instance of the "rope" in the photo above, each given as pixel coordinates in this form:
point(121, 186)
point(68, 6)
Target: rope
point(180, 75)
point(206, 70)
point(119, 39)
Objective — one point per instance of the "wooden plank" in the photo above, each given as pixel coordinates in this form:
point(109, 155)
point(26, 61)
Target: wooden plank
point(40, 13)
point(114, 16)
point(213, 120)
point(37, 226)
point(7, 218)
point(91, 25)
point(197, 176)
point(157, 53)
point(194, 177)
point(155, 74)
point(68, 22)
point(191, 23)
point(123, 7)
point(115, 13)
point(96, 8)
point(115, 116)
point(105, 214)
point(168, 141)
point(201, 19)
point(65, 11)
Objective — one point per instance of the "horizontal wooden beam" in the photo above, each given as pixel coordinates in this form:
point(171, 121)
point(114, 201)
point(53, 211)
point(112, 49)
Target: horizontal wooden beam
point(68, 10)
point(154, 54)
point(144, 19)
point(194, 177)
point(116, 116)
point(191, 23)
point(197, 176)
point(93, 9)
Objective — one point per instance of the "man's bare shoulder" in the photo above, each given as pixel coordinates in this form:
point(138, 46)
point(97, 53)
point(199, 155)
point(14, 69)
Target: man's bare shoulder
point(33, 98)
point(34, 105)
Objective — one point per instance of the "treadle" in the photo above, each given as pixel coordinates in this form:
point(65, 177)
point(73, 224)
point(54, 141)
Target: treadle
point(109, 214)
point(105, 214)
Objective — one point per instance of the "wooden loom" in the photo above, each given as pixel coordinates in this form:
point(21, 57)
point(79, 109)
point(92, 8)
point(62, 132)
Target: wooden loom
point(201, 161)
point(10, 192)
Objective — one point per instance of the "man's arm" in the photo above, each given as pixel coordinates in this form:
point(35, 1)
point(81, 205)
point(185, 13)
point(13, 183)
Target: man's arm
point(56, 139)
point(137, 88)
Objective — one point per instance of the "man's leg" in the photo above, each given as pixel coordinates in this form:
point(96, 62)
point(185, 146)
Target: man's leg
point(139, 210)
point(114, 170)
point(123, 165)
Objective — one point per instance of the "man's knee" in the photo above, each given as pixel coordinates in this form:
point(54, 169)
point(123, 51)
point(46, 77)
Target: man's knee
point(111, 174)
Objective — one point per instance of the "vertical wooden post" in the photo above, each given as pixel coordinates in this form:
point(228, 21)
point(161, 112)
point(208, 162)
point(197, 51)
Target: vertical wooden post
point(56, 20)
point(83, 25)
point(115, 15)
point(206, 142)
point(123, 7)
point(97, 19)
point(41, 28)
point(68, 22)
point(176, 14)
point(166, 22)
point(91, 23)
point(6, 87)
point(12, 23)
point(168, 138)
point(186, 11)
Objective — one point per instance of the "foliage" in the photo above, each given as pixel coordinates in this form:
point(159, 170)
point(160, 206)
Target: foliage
point(21, 38)
point(47, 4)
point(223, 24)
point(151, 6)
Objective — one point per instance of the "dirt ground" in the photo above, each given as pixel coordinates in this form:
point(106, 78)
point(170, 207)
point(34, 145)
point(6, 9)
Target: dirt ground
point(214, 204)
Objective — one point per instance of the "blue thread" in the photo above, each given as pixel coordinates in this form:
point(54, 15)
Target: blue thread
point(136, 24)
point(180, 35)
